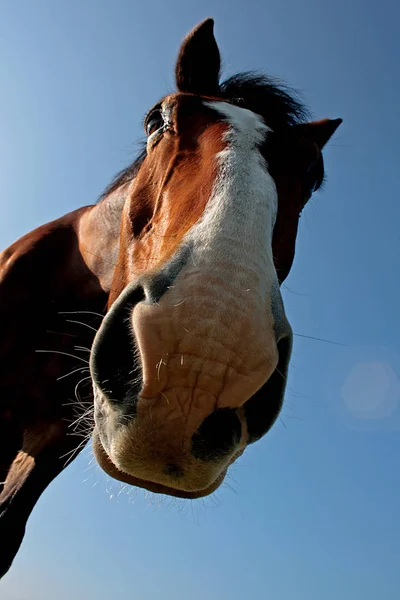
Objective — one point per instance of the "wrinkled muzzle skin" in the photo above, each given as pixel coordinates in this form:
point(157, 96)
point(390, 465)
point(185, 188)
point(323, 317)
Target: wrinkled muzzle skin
point(190, 362)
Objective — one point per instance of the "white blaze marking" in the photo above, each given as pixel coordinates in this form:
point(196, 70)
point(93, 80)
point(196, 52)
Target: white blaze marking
point(237, 224)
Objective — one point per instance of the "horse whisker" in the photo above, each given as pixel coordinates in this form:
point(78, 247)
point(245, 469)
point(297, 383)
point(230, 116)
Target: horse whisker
point(61, 333)
point(77, 404)
point(79, 312)
point(72, 372)
point(311, 337)
point(82, 348)
point(81, 323)
point(64, 354)
point(82, 416)
point(77, 386)
point(73, 452)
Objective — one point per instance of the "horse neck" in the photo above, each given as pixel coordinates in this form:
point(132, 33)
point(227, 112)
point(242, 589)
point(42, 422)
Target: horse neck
point(99, 235)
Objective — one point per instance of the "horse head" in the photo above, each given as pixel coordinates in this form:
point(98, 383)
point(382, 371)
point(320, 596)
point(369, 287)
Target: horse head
point(189, 365)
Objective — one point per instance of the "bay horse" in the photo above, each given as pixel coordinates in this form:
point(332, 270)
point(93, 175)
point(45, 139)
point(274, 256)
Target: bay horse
point(172, 282)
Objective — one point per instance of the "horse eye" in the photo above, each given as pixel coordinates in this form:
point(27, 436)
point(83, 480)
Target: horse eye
point(154, 122)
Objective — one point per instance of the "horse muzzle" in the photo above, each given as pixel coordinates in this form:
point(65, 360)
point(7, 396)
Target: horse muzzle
point(185, 381)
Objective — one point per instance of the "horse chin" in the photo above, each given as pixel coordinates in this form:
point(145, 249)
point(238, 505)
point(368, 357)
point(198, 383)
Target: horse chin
point(110, 468)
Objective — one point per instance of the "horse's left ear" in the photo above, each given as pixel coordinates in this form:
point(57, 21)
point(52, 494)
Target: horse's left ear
point(199, 62)
point(319, 132)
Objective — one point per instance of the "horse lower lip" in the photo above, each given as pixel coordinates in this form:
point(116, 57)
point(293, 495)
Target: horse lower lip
point(109, 467)
point(161, 489)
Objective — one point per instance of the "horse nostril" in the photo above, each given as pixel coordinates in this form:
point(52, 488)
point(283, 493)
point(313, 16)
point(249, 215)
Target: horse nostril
point(217, 436)
point(112, 360)
point(263, 408)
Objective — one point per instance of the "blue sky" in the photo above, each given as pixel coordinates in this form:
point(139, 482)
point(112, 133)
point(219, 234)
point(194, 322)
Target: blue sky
point(311, 511)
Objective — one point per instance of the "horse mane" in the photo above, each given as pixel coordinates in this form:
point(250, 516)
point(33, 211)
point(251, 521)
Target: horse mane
point(268, 97)
point(126, 175)
point(260, 93)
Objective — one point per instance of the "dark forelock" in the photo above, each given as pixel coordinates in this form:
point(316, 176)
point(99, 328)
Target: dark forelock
point(275, 102)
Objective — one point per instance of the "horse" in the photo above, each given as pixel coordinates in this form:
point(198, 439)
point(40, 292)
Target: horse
point(171, 285)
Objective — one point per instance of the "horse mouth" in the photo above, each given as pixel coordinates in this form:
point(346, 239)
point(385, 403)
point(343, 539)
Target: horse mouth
point(112, 470)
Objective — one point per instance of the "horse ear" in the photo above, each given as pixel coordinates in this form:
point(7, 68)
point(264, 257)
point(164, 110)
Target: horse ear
point(320, 132)
point(199, 62)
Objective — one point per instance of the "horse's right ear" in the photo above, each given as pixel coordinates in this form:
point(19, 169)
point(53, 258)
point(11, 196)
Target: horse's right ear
point(199, 62)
